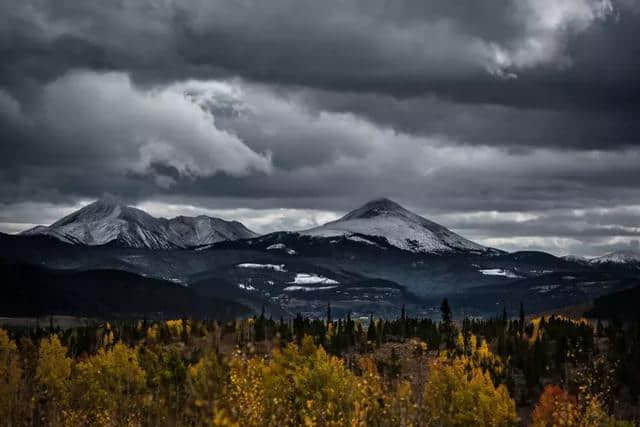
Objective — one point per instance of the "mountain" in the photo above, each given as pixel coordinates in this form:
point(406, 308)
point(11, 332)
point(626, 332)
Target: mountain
point(400, 227)
point(618, 257)
point(205, 230)
point(108, 221)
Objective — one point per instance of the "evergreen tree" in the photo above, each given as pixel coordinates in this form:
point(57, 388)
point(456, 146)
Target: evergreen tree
point(372, 334)
point(403, 323)
point(447, 325)
point(445, 310)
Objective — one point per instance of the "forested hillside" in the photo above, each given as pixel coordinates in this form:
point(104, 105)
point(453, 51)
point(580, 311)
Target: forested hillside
point(332, 372)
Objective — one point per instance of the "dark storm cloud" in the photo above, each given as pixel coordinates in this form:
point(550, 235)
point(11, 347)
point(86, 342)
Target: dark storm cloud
point(449, 107)
point(459, 50)
point(489, 124)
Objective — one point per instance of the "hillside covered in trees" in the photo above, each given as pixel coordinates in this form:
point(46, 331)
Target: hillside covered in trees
point(544, 371)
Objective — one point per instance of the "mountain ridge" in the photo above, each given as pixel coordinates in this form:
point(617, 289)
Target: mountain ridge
point(626, 256)
point(109, 221)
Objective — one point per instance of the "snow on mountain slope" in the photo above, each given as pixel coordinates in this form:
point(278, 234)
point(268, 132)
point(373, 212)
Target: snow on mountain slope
point(400, 227)
point(109, 221)
point(618, 257)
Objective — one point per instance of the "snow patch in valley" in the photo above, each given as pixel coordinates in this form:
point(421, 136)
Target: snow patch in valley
point(275, 267)
point(281, 247)
point(499, 272)
point(307, 288)
point(543, 289)
point(312, 279)
point(246, 287)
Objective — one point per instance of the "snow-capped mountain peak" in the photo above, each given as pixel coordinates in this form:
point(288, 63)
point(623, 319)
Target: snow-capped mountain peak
point(618, 257)
point(110, 221)
point(379, 207)
point(399, 226)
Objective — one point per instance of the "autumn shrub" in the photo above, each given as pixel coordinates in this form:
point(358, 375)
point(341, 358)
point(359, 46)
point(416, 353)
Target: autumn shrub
point(455, 395)
point(556, 407)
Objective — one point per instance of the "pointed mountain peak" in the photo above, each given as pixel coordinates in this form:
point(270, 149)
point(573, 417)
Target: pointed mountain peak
point(109, 200)
point(377, 207)
point(382, 203)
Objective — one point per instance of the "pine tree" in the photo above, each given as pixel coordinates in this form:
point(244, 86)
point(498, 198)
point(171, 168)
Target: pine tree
point(446, 326)
point(403, 323)
point(445, 310)
point(350, 339)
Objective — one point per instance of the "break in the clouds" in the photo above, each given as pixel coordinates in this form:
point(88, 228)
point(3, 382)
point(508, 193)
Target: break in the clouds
point(513, 122)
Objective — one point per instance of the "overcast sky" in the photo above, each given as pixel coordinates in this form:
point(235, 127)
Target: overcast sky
point(513, 122)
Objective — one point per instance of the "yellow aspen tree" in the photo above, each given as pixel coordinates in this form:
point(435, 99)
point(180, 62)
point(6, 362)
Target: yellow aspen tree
point(458, 394)
point(52, 377)
point(10, 379)
point(108, 388)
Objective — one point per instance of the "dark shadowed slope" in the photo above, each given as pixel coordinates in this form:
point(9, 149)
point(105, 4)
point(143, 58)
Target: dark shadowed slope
point(30, 291)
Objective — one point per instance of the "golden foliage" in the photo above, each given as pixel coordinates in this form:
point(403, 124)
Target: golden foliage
point(177, 327)
point(205, 381)
point(107, 387)
point(54, 367)
point(456, 395)
point(299, 386)
point(164, 382)
point(52, 378)
point(10, 374)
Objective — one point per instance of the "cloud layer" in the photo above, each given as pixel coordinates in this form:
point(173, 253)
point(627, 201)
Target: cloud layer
point(512, 122)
